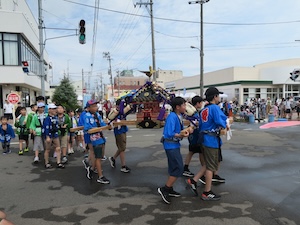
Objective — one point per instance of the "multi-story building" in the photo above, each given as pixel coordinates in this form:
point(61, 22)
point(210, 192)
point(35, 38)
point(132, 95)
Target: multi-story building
point(164, 76)
point(19, 41)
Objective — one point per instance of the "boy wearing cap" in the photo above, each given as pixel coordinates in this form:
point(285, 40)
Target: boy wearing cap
point(37, 131)
point(64, 128)
point(51, 128)
point(171, 140)
point(211, 120)
point(22, 130)
point(92, 120)
point(194, 145)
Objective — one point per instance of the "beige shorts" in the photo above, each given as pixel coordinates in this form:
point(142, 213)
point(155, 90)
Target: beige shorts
point(121, 142)
point(53, 143)
point(63, 141)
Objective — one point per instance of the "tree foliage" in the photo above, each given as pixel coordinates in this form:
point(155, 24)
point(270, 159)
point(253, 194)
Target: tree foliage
point(65, 95)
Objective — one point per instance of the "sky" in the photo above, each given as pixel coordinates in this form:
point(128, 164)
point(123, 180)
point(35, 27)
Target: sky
point(236, 33)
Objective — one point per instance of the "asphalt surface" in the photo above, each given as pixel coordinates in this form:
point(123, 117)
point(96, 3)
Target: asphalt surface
point(262, 186)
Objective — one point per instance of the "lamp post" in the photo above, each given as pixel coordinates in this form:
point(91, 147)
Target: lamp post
point(201, 2)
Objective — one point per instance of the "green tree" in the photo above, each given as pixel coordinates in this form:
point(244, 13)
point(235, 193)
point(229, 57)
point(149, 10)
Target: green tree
point(65, 95)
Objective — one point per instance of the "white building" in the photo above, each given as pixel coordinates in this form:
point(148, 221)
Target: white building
point(164, 76)
point(19, 41)
point(260, 81)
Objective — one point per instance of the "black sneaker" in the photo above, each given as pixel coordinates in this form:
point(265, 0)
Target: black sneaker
point(217, 178)
point(125, 169)
point(202, 180)
point(103, 180)
point(193, 185)
point(112, 162)
point(8, 151)
point(60, 166)
point(89, 173)
point(173, 193)
point(187, 173)
point(164, 195)
point(210, 196)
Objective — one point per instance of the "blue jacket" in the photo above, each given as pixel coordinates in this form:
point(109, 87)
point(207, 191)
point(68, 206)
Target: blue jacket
point(91, 121)
point(194, 137)
point(8, 135)
point(173, 126)
point(212, 119)
point(50, 126)
point(123, 129)
point(81, 118)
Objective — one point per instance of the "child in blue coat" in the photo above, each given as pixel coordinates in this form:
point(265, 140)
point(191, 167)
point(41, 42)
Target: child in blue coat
point(6, 134)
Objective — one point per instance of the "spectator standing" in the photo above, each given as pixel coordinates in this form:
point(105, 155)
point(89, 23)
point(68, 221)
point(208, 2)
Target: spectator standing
point(8, 110)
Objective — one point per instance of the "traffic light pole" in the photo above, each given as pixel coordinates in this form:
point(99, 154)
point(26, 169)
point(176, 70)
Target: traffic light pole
point(41, 43)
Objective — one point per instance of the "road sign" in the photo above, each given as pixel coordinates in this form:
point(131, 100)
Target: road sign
point(13, 98)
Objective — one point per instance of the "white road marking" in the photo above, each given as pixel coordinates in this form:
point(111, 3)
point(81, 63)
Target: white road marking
point(129, 136)
point(134, 129)
point(149, 135)
point(248, 129)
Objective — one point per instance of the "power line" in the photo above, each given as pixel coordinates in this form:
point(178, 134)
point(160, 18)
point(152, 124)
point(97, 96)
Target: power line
point(189, 21)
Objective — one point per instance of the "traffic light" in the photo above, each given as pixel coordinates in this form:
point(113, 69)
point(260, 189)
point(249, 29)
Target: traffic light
point(295, 74)
point(25, 66)
point(82, 32)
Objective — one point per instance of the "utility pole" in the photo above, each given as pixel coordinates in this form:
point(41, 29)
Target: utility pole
point(41, 40)
point(201, 2)
point(107, 55)
point(118, 72)
point(152, 34)
point(82, 80)
point(101, 85)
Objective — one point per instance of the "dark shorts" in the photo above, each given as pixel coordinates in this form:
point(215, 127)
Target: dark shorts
point(9, 116)
point(288, 111)
point(98, 151)
point(196, 148)
point(24, 137)
point(211, 158)
point(175, 162)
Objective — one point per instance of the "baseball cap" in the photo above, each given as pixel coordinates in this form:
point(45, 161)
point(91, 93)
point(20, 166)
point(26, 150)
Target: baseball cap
point(52, 106)
point(40, 104)
point(211, 91)
point(91, 102)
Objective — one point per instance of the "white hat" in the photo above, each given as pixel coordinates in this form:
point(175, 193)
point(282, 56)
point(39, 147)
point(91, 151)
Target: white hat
point(40, 104)
point(52, 106)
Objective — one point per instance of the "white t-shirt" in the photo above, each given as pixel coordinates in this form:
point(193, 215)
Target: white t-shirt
point(100, 107)
point(287, 104)
point(8, 108)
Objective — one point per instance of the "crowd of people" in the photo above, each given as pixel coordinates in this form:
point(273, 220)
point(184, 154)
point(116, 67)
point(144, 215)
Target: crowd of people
point(52, 130)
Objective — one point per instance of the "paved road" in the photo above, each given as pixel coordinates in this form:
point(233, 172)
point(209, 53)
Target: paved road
point(262, 186)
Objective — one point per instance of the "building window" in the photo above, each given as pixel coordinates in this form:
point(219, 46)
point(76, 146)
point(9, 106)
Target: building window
point(246, 90)
point(138, 83)
point(9, 49)
point(28, 54)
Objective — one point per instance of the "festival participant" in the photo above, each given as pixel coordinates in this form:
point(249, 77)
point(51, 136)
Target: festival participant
point(33, 108)
point(212, 119)
point(51, 129)
point(93, 120)
point(194, 145)
point(37, 131)
point(120, 136)
point(64, 123)
point(8, 110)
point(6, 134)
point(171, 138)
point(79, 136)
point(22, 130)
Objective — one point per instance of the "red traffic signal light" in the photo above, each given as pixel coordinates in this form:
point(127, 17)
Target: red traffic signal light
point(25, 66)
point(82, 32)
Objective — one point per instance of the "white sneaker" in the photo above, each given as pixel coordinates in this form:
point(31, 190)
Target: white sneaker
point(72, 151)
point(64, 160)
point(104, 158)
point(54, 155)
point(36, 159)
